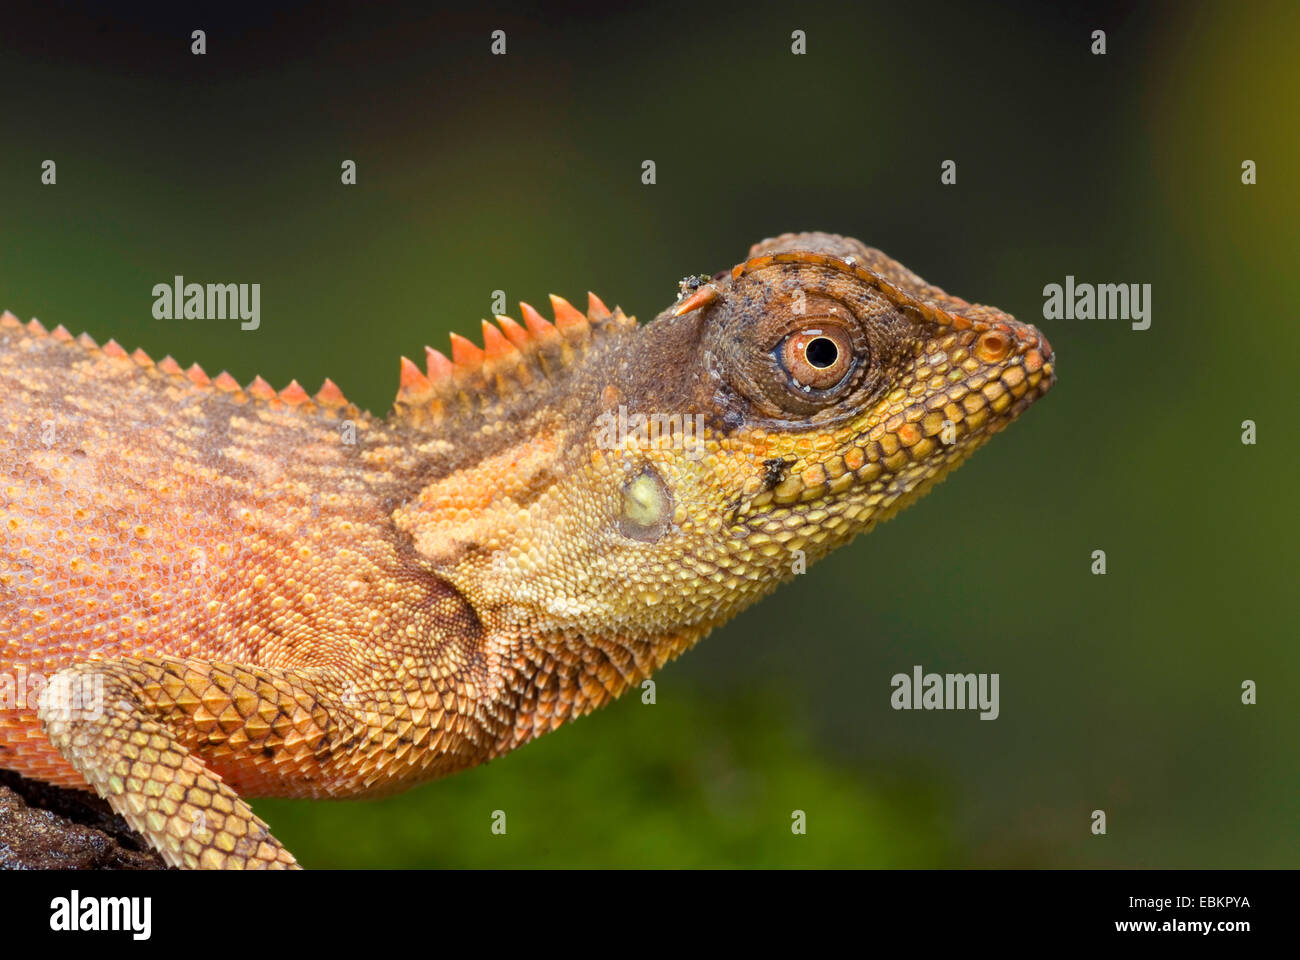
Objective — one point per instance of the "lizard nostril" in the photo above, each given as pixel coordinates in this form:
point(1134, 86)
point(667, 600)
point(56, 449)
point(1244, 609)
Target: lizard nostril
point(992, 346)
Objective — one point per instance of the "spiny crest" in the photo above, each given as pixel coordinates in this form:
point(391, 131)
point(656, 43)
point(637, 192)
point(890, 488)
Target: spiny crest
point(513, 357)
point(329, 398)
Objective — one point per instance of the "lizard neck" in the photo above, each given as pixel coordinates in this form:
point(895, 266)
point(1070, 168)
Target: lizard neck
point(552, 678)
point(495, 520)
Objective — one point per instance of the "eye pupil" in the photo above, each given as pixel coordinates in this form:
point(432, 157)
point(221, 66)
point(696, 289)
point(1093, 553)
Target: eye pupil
point(817, 358)
point(822, 352)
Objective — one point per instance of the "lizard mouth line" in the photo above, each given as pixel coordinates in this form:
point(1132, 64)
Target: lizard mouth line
point(889, 468)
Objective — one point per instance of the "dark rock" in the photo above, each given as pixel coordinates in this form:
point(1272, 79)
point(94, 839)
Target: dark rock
point(50, 828)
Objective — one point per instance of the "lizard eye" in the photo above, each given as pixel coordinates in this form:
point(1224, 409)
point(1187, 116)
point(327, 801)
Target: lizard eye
point(793, 353)
point(817, 357)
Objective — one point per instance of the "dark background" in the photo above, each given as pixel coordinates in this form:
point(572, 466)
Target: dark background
point(522, 172)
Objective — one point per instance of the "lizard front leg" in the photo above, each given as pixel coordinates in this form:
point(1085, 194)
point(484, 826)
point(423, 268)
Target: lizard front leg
point(150, 735)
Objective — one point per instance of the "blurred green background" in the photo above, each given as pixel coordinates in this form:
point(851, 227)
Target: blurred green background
point(522, 172)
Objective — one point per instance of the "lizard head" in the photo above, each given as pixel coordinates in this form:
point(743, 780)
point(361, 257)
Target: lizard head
point(783, 407)
point(677, 471)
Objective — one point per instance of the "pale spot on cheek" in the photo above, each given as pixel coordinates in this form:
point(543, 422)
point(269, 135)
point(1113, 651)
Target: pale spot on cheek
point(647, 507)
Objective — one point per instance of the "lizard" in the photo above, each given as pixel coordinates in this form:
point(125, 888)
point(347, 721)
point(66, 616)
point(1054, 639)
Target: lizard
point(210, 592)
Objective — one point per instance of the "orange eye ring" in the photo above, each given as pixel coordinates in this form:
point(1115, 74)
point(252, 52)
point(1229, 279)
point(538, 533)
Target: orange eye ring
point(817, 357)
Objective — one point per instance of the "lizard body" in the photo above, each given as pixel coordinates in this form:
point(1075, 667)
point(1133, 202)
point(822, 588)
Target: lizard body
point(263, 593)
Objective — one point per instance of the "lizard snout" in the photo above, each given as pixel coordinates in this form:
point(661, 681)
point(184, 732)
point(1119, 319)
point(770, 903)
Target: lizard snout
point(1019, 345)
point(1037, 353)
